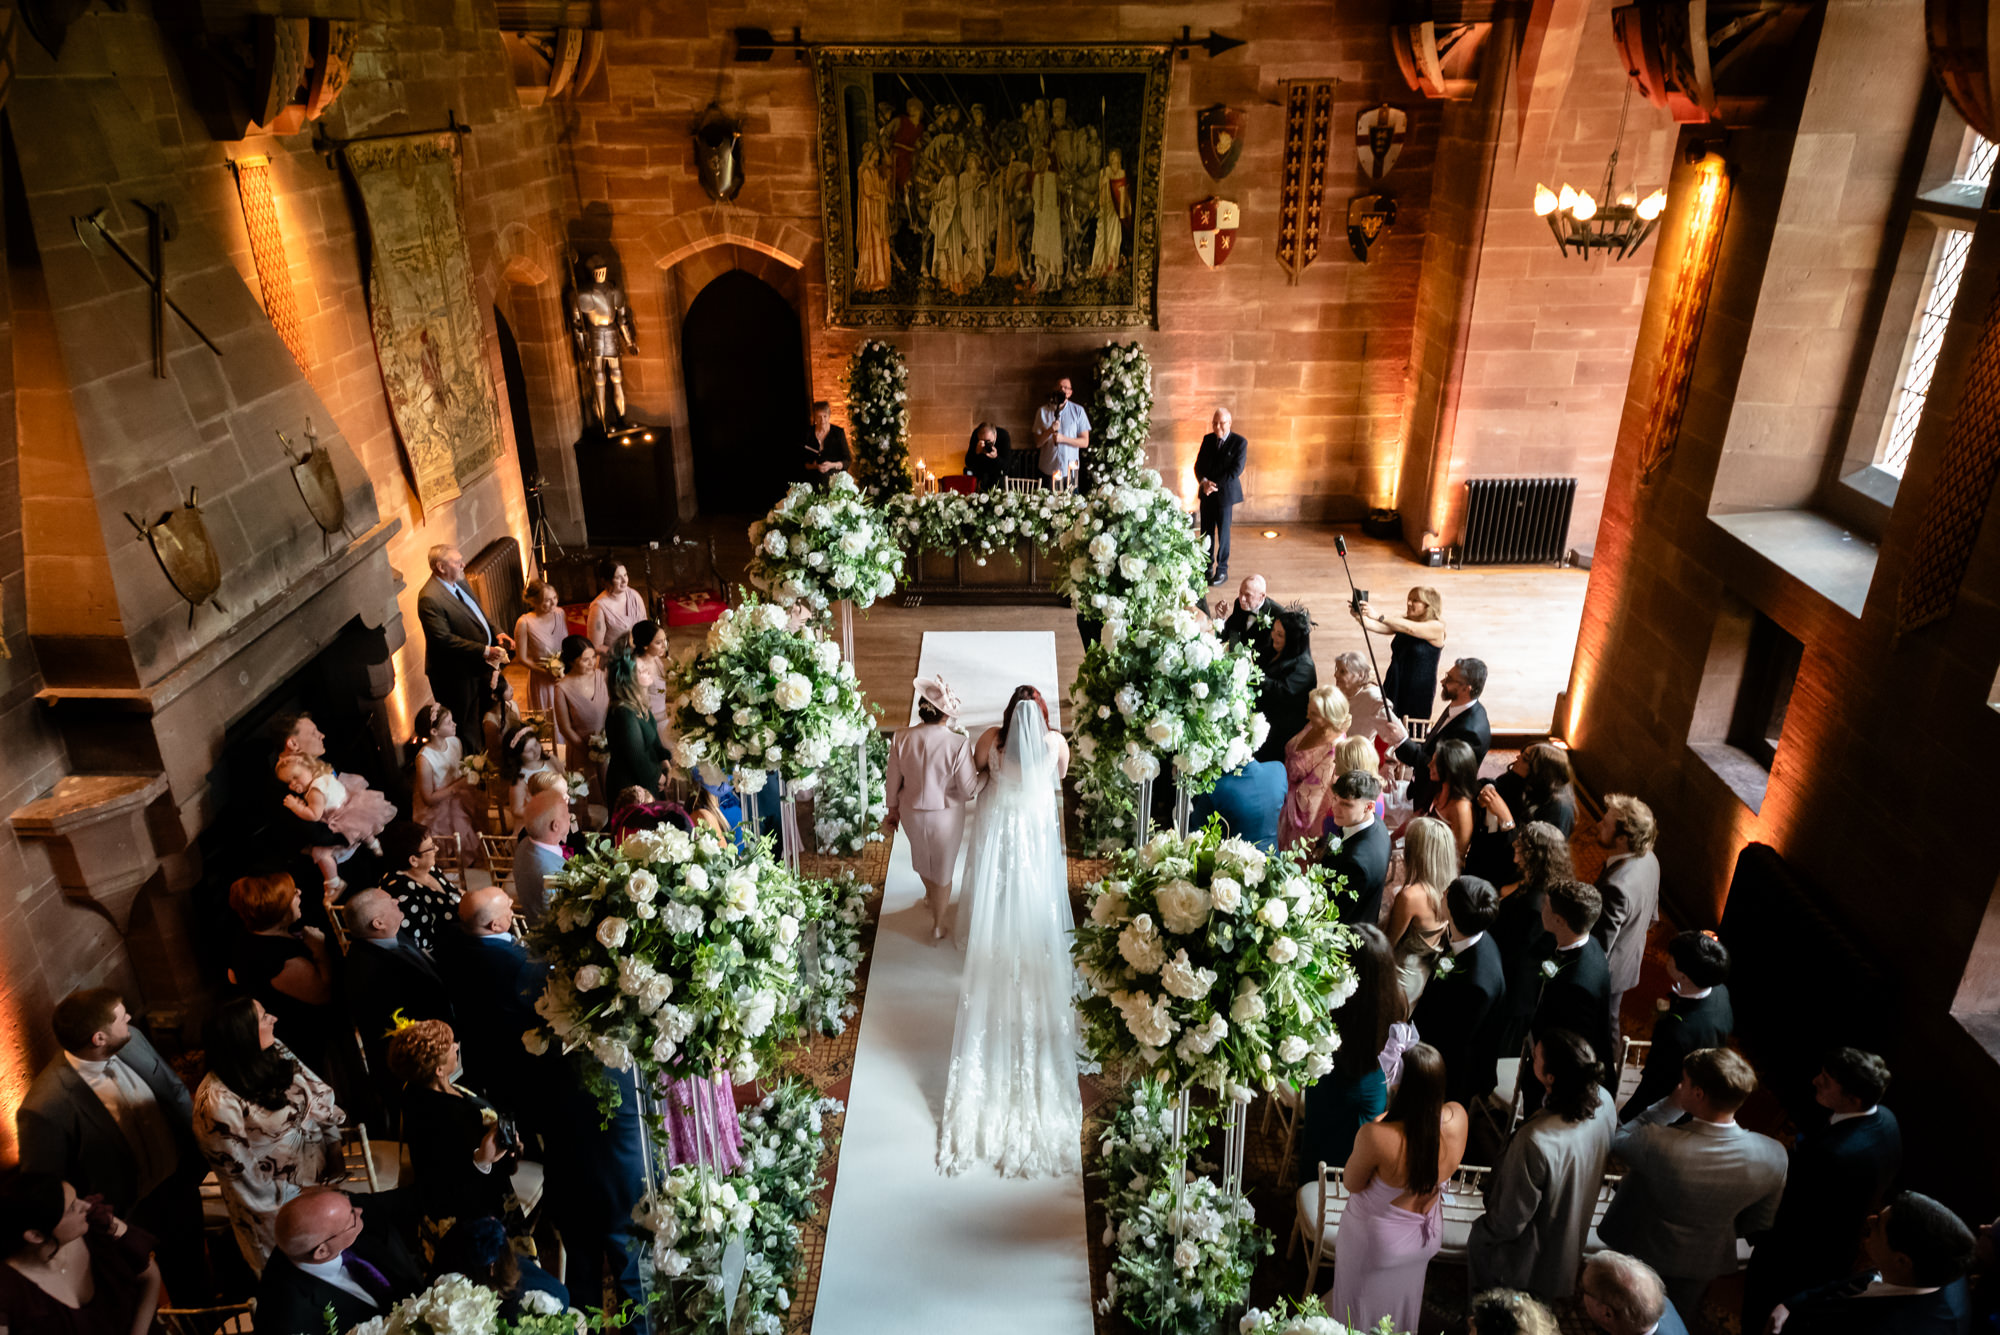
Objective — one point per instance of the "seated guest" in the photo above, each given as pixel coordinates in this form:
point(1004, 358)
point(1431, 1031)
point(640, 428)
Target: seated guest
point(1459, 1012)
point(1251, 615)
point(329, 1258)
point(1456, 776)
point(823, 450)
point(387, 975)
point(494, 984)
point(143, 1161)
point(1356, 1090)
point(522, 761)
point(1311, 766)
point(1692, 1190)
point(1248, 800)
point(638, 760)
point(1575, 980)
point(449, 801)
point(501, 718)
point(1510, 1312)
point(1838, 1174)
point(1463, 719)
point(1289, 678)
point(67, 1268)
point(985, 461)
point(284, 965)
point(1918, 1256)
point(462, 1152)
point(1698, 1015)
point(1416, 918)
point(267, 1125)
point(429, 902)
point(479, 1250)
point(1630, 886)
point(1622, 1295)
point(1368, 715)
point(1543, 1192)
point(1362, 856)
point(1524, 942)
point(540, 853)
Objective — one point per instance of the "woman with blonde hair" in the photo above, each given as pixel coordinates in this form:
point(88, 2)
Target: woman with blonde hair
point(1311, 765)
point(1417, 922)
point(1415, 645)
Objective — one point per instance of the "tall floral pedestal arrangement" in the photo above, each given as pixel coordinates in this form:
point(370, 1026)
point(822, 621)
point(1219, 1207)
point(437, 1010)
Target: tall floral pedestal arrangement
point(878, 418)
point(1117, 453)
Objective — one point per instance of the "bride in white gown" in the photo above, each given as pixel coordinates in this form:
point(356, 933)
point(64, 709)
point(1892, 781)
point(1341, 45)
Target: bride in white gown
point(1011, 1099)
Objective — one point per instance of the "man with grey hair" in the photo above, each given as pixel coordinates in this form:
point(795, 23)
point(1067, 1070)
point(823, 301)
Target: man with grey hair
point(1367, 714)
point(1622, 1295)
point(387, 975)
point(1250, 616)
point(463, 651)
point(1218, 472)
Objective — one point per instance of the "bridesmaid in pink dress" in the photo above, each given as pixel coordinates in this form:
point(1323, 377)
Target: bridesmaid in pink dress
point(538, 637)
point(616, 610)
point(582, 700)
point(1311, 766)
point(649, 647)
point(1396, 1178)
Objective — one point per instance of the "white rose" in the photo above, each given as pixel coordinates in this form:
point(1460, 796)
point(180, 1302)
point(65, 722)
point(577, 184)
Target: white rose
point(1274, 913)
point(642, 885)
point(1248, 1008)
point(1283, 951)
point(590, 977)
point(1260, 728)
point(1293, 1050)
point(794, 692)
point(696, 879)
point(1103, 547)
point(611, 933)
point(1183, 905)
point(1160, 732)
point(1226, 893)
point(788, 928)
point(1187, 1255)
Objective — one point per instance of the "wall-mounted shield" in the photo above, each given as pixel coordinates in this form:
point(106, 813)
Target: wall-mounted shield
point(718, 154)
point(1378, 139)
point(1213, 222)
point(1368, 217)
point(319, 485)
point(1219, 137)
point(185, 552)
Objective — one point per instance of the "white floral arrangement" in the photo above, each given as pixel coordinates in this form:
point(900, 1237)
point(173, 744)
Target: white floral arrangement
point(1212, 964)
point(758, 696)
point(846, 819)
point(599, 746)
point(455, 1305)
point(553, 665)
point(840, 918)
point(817, 547)
point(1176, 1266)
point(579, 787)
point(1291, 1317)
point(878, 417)
point(986, 522)
point(672, 952)
point(695, 1212)
point(477, 766)
point(1131, 554)
point(1117, 452)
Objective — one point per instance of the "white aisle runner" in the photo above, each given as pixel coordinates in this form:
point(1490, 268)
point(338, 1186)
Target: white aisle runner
point(908, 1249)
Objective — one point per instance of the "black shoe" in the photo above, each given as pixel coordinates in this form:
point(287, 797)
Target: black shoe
point(1217, 581)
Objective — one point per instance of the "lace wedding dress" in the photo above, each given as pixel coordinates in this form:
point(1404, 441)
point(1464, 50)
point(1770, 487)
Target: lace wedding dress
point(1011, 1099)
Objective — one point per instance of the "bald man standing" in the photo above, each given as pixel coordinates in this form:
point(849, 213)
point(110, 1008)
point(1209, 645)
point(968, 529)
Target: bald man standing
point(1218, 472)
point(330, 1259)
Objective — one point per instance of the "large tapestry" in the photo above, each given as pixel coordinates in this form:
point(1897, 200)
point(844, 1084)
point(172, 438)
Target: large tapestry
point(996, 187)
point(429, 336)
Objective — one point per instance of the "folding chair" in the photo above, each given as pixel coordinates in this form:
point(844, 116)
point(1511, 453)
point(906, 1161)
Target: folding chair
point(1316, 1214)
point(1464, 1202)
point(1630, 1072)
point(231, 1319)
point(376, 1163)
point(1290, 1105)
point(341, 919)
point(499, 850)
point(1608, 1188)
point(1023, 484)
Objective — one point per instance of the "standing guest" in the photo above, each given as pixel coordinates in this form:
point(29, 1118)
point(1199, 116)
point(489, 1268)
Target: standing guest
point(1311, 766)
point(1691, 1190)
point(824, 451)
point(984, 462)
point(1837, 1176)
point(1369, 715)
point(1062, 433)
point(928, 781)
point(1396, 1178)
point(462, 651)
point(1248, 799)
point(596, 1174)
point(1251, 615)
point(616, 609)
point(1622, 1295)
point(1510, 1312)
point(494, 985)
point(581, 701)
point(282, 964)
point(1218, 472)
point(1630, 885)
point(1575, 978)
point(1456, 776)
point(1416, 919)
point(1464, 720)
point(387, 977)
point(429, 902)
point(110, 1117)
point(1524, 942)
point(1289, 679)
point(462, 1153)
point(539, 854)
point(649, 651)
point(1544, 1189)
point(68, 1267)
point(1698, 1015)
point(1361, 857)
point(1355, 1092)
point(1415, 645)
point(449, 801)
point(522, 760)
point(637, 759)
point(268, 1126)
point(502, 717)
point(1919, 1254)
point(478, 1248)
point(538, 637)
point(329, 1259)
point(1459, 1012)
point(1538, 786)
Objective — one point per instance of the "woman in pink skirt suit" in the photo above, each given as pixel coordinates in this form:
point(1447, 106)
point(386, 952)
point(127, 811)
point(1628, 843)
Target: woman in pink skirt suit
point(1396, 1178)
point(538, 637)
point(930, 779)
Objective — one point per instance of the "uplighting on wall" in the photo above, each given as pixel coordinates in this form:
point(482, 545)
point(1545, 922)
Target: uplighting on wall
point(1584, 224)
point(1687, 308)
point(267, 248)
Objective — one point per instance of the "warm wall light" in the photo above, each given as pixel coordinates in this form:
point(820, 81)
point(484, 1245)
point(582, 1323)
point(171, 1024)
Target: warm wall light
point(267, 248)
point(1546, 201)
point(1270, 533)
point(1686, 310)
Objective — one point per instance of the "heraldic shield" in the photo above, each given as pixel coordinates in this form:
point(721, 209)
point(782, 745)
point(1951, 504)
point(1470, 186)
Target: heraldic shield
point(186, 554)
point(1378, 139)
point(1368, 217)
point(1219, 136)
point(1213, 222)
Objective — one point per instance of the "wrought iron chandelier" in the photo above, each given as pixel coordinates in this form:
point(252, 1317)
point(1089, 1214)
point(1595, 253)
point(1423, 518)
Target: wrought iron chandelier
point(1584, 226)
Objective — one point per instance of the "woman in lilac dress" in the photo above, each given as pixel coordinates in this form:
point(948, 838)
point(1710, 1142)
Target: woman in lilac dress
point(616, 610)
point(538, 636)
point(1395, 1209)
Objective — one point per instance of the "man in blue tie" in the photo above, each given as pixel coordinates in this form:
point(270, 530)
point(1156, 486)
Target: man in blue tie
point(462, 649)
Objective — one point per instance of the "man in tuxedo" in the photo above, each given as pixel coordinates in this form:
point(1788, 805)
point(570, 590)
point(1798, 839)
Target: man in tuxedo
point(462, 647)
point(387, 976)
point(1698, 1015)
point(1464, 719)
point(1458, 1011)
point(494, 984)
point(1691, 1190)
point(824, 451)
point(113, 1120)
point(539, 853)
point(1630, 886)
point(596, 1173)
point(1839, 1174)
point(1251, 615)
point(328, 1256)
point(1622, 1295)
point(1918, 1255)
point(1218, 472)
point(1363, 855)
point(1574, 978)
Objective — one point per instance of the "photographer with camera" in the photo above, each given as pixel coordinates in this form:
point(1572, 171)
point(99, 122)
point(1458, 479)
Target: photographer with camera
point(984, 463)
point(1062, 433)
point(1415, 647)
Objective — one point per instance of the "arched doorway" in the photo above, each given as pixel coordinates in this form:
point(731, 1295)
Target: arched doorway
point(746, 392)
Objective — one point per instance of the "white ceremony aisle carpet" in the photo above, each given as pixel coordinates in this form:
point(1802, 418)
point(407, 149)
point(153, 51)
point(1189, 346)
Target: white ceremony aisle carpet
point(907, 1249)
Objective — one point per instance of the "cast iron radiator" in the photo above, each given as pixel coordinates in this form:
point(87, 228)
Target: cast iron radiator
point(495, 576)
point(1516, 520)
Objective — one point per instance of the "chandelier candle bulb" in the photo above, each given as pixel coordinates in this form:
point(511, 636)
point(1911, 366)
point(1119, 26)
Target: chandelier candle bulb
point(1585, 207)
point(1567, 200)
point(1545, 200)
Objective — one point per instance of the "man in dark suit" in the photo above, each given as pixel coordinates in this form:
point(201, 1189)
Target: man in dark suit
point(1920, 1253)
point(824, 451)
point(113, 1120)
point(1251, 615)
point(327, 1257)
point(494, 984)
point(1362, 857)
point(386, 975)
point(1837, 1177)
point(1622, 1295)
point(1575, 978)
point(1698, 1015)
point(462, 646)
point(1459, 1010)
point(1248, 800)
point(1218, 472)
point(1464, 719)
point(596, 1174)
point(1630, 885)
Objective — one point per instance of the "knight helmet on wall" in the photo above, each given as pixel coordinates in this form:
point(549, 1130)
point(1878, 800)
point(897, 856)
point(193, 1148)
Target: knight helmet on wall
point(601, 323)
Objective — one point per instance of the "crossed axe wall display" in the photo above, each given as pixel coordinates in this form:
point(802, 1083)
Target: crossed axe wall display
point(160, 229)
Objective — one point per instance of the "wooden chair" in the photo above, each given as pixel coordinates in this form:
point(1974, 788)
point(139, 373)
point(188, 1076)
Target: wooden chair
point(1464, 1202)
point(499, 850)
point(1316, 1215)
point(1500, 1111)
point(377, 1164)
point(452, 860)
point(231, 1319)
point(1608, 1188)
point(1290, 1106)
point(1630, 1071)
point(1023, 484)
point(341, 919)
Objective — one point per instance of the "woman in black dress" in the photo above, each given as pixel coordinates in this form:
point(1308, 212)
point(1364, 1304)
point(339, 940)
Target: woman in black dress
point(283, 964)
point(462, 1152)
point(1524, 943)
point(68, 1267)
point(1415, 646)
point(638, 760)
point(1289, 679)
point(1538, 786)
